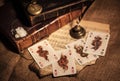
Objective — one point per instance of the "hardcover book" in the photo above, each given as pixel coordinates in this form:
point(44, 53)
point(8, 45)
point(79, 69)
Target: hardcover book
point(51, 8)
point(22, 36)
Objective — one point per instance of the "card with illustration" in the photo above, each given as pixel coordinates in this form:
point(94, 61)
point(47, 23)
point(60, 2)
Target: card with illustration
point(43, 53)
point(77, 48)
point(96, 43)
point(65, 64)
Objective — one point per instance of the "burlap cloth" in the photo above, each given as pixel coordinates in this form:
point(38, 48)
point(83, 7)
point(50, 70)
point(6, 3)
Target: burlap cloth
point(60, 38)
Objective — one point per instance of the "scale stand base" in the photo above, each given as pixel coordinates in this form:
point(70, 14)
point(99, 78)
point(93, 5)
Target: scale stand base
point(77, 32)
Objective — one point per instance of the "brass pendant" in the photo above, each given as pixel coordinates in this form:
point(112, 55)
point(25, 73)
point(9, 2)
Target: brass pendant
point(77, 32)
point(34, 8)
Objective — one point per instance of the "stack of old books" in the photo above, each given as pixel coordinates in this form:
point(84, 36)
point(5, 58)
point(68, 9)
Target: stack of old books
point(24, 28)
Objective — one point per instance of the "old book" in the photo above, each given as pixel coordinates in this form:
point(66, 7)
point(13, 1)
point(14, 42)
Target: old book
point(11, 23)
point(52, 9)
point(46, 30)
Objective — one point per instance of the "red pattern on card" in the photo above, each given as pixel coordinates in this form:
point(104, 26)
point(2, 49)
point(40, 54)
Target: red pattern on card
point(42, 53)
point(31, 50)
point(55, 57)
point(41, 64)
point(45, 43)
point(72, 69)
point(55, 72)
point(69, 52)
point(68, 46)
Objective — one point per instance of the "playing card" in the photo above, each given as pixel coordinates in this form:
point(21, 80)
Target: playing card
point(96, 43)
point(77, 49)
point(43, 53)
point(65, 64)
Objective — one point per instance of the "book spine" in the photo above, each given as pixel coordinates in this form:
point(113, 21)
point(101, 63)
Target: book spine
point(47, 29)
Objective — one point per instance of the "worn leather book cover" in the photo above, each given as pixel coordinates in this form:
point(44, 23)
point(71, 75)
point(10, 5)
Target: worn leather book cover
point(10, 23)
point(51, 9)
point(22, 36)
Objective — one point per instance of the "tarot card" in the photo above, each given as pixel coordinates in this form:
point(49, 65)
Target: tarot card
point(43, 53)
point(96, 43)
point(65, 64)
point(77, 49)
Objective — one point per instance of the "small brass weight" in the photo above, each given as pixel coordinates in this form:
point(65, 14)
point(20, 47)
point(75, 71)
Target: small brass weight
point(77, 31)
point(34, 8)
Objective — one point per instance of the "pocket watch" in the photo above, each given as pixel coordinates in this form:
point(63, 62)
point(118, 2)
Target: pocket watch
point(34, 8)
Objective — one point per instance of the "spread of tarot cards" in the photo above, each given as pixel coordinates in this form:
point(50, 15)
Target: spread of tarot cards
point(64, 61)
